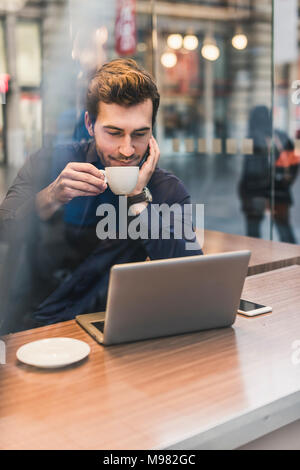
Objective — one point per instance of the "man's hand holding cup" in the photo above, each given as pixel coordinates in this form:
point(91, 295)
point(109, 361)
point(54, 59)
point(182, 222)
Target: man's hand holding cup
point(76, 179)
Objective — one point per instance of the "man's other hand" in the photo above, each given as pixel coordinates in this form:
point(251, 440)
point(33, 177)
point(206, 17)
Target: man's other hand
point(148, 167)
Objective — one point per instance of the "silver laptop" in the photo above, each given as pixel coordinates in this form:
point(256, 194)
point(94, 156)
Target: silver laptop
point(169, 297)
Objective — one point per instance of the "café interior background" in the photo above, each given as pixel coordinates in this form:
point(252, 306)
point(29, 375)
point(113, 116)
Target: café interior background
point(213, 61)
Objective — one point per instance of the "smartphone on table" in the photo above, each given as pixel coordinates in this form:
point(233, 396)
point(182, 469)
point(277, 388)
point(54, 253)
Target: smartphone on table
point(251, 309)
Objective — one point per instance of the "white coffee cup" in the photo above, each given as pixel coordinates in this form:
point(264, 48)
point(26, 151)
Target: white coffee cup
point(121, 179)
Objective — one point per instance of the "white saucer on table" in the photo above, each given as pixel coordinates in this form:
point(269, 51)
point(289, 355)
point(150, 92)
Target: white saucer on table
point(53, 352)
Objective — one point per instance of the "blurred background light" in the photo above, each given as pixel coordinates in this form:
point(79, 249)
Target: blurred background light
point(174, 41)
point(210, 50)
point(141, 47)
point(239, 41)
point(168, 59)
point(190, 42)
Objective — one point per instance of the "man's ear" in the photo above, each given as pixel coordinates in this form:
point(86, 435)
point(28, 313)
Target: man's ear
point(89, 124)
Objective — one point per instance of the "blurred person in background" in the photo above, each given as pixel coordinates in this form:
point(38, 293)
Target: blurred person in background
point(255, 186)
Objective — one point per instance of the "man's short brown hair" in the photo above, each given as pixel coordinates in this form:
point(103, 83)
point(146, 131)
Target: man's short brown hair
point(123, 82)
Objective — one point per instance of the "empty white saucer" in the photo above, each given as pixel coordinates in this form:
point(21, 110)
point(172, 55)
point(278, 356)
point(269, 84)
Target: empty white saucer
point(53, 352)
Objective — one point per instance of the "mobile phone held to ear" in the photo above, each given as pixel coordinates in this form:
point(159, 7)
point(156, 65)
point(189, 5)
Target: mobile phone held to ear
point(251, 309)
point(145, 157)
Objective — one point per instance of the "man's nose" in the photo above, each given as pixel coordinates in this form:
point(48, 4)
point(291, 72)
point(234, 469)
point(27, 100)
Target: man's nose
point(126, 149)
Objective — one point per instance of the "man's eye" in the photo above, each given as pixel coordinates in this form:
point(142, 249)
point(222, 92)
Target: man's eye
point(139, 135)
point(114, 133)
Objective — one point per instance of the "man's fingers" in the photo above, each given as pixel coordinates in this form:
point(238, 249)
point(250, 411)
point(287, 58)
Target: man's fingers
point(70, 194)
point(82, 186)
point(154, 152)
point(85, 168)
point(150, 164)
point(71, 174)
point(155, 146)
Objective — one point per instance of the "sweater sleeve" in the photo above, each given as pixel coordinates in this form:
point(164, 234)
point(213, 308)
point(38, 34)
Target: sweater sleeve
point(17, 211)
point(19, 202)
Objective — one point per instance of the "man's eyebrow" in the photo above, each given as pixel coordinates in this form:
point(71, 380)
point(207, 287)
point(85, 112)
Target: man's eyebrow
point(135, 130)
point(142, 129)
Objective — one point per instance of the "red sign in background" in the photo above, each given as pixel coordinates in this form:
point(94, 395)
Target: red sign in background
point(4, 79)
point(125, 27)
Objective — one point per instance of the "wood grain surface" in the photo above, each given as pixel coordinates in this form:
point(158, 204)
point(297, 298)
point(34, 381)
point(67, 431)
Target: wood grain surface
point(156, 393)
point(266, 255)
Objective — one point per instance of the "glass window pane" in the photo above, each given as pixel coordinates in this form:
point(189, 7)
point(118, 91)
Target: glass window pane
point(212, 62)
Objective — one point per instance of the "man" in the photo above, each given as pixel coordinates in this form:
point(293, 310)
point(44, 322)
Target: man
point(58, 192)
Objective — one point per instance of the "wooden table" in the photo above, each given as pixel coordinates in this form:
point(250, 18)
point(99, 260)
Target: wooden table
point(214, 389)
point(266, 255)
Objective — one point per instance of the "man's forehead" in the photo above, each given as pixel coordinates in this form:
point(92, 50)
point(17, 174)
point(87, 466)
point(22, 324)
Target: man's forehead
point(113, 114)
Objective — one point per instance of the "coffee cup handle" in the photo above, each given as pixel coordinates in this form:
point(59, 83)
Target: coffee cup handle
point(103, 172)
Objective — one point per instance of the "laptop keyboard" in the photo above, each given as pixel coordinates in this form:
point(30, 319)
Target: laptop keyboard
point(99, 325)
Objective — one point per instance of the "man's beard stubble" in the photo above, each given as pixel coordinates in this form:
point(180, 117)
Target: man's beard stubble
point(106, 161)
